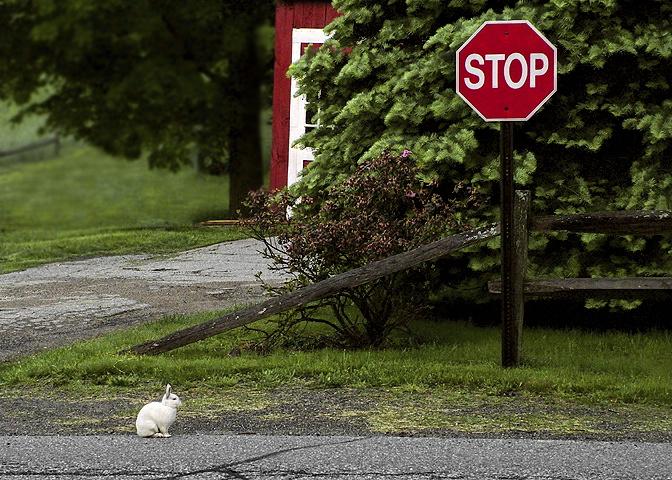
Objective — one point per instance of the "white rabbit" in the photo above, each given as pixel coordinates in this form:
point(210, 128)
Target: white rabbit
point(155, 418)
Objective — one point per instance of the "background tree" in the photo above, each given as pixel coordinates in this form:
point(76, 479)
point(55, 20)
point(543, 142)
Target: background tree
point(602, 142)
point(178, 80)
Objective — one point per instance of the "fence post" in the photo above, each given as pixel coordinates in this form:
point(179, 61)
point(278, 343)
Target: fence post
point(513, 331)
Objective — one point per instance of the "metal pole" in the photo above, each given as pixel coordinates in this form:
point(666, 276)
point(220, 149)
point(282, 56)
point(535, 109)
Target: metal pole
point(510, 354)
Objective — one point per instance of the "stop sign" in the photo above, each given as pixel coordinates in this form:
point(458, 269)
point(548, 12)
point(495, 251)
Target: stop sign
point(506, 70)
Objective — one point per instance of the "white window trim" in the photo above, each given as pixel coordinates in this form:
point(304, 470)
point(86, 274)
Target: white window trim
point(297, 110)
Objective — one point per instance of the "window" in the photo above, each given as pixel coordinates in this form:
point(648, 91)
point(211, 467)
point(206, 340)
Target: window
point(302, 115)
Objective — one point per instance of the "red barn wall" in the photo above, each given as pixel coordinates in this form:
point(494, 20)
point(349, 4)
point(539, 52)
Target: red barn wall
point(289, 15)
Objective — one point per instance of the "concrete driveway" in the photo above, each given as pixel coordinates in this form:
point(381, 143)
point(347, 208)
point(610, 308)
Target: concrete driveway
point(55, 304)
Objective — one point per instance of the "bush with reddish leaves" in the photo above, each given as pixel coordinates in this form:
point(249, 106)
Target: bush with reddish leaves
point(381, 210)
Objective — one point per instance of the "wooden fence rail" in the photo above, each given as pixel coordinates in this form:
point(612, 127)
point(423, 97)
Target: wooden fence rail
point(614, 223)
point(55, 141)
point(629, 287)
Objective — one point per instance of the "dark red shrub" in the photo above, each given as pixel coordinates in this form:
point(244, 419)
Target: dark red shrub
point(381, 210)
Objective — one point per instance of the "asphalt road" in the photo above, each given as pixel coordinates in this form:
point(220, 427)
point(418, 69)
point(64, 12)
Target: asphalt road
point(285, 457)
point(58, 303)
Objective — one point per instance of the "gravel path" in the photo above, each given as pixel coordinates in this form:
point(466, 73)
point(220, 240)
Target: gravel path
point(55, 304)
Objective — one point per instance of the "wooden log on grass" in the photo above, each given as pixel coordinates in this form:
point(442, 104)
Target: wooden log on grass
point(316, 291)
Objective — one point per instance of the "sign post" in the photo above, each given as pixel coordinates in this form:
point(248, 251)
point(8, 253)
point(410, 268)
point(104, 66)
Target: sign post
point(512, 288)
point(506, 71)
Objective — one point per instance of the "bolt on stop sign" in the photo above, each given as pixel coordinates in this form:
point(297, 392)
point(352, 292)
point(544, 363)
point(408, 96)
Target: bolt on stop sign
point(506, 70)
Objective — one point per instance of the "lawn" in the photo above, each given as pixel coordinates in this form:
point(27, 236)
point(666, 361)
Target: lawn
point(84, 203)
point(601, 366)
point(570, 382)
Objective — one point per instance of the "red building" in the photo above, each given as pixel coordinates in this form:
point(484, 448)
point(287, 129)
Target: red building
point(297, 25)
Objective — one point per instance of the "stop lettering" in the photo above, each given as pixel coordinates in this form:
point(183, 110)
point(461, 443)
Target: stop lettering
point(506, 70)
point(536, 66)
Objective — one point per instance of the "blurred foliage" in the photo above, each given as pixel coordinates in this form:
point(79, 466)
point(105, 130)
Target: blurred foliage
point(14, 135)
point(602, 142)
point(178, 80)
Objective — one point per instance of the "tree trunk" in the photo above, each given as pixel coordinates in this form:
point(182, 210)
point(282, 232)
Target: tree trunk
point(245, 162)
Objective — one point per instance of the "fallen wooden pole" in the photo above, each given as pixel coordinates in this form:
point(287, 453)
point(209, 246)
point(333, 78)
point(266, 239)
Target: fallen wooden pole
point(316, 291)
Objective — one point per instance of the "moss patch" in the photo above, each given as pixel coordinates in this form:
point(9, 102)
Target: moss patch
point(299, 409)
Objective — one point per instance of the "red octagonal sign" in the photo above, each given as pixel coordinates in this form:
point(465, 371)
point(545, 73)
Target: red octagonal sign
point(506, 70)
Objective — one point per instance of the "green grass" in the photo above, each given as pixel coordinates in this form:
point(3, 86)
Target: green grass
point(85, 203)
point(606, 386)
point(565, 364)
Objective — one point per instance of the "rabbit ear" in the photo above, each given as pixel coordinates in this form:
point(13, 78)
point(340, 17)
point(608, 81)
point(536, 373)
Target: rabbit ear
point(169, 389)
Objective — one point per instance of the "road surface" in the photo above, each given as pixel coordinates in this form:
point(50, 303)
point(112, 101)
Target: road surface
point(297, 457)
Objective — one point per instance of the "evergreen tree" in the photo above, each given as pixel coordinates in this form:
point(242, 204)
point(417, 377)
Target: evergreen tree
point(603, 142)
